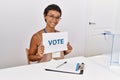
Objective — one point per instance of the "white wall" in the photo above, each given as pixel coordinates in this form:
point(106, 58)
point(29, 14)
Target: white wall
point(103, 14)
point(117, 28)
point(20, 19)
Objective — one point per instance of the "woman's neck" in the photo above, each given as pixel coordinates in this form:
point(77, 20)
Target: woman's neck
point(49, 29)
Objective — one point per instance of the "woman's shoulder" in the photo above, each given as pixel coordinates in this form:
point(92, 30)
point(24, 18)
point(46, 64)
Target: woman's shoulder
point(38, 34)
point(37, 37)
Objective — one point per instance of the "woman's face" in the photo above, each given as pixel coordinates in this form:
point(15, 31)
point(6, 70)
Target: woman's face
point(52, 18)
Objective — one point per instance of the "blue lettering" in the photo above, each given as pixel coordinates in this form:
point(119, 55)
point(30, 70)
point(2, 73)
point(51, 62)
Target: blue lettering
point(50, 42)
point(57, 41)
point(62, 41)
point(54, 42)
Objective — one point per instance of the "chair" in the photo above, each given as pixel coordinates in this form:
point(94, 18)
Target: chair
point(27, 53)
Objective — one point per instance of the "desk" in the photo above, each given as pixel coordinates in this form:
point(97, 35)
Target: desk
point(104, 61)
point(36, 71)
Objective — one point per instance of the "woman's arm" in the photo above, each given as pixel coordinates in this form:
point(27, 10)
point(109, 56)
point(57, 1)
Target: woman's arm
point(35, 53)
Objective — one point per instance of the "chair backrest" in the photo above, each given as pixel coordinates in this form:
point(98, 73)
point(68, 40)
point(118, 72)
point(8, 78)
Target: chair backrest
point(27, 53)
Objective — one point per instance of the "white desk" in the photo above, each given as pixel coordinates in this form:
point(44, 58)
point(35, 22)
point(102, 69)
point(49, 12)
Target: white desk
point(104, 61)
point(36, 71)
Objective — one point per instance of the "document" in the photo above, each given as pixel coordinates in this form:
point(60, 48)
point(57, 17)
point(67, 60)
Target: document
point(63, 67)
point(54, 42)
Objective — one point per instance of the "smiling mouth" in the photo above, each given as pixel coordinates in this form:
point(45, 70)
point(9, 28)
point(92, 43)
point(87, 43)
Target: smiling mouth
point(53, 24)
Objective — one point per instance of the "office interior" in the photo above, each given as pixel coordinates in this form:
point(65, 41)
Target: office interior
point(84, 20)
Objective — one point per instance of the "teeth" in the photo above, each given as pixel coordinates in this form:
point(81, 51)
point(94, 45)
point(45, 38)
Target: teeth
point(53, 23)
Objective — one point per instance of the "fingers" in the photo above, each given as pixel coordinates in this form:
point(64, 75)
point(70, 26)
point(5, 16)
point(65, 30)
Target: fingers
point(69, 46)
point(41, 50)
point(68, 43)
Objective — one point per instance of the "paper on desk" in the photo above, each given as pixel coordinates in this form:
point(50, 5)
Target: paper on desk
point(68, 67)
point(54, 42)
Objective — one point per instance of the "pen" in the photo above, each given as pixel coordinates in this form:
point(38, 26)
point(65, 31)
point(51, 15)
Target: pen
point(61, 64)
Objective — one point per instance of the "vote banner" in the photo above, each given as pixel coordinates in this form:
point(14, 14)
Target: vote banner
point(54, 42)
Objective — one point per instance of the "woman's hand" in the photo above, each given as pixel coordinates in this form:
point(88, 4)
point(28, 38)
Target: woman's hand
point(41, 50)
point(69, 46)
point(69, 49)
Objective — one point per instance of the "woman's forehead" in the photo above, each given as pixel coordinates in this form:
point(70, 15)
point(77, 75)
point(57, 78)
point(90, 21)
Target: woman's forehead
point(54, 12)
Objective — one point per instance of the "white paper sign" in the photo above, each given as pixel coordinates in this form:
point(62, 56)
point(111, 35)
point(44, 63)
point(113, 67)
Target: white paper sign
point(54, 42)
point(56, 54)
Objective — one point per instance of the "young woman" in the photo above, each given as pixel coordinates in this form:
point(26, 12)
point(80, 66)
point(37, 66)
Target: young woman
point(52, 16)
